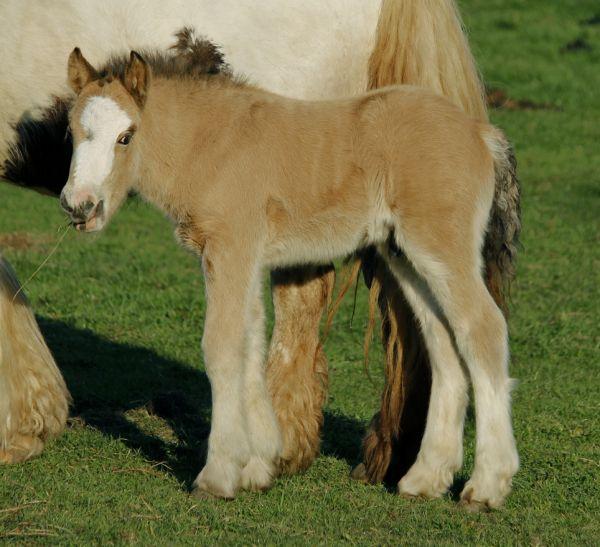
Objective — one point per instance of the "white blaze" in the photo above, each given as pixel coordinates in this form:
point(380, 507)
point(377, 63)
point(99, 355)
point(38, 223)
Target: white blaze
point(103, 120)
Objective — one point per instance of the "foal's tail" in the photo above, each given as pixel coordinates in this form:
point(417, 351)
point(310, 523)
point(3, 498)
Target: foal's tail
point(504, 228)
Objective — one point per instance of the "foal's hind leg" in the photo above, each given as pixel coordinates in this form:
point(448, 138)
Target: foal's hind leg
point(262, 426)
point(480, 332)
point(441, 452)
point(482, 336)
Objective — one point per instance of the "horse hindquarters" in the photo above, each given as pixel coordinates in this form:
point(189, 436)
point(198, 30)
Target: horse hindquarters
point(458, 316)
point(419, 43)
point(33, 397)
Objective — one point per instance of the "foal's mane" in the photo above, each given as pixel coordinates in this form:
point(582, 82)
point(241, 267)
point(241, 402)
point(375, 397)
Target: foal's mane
point(190, 58)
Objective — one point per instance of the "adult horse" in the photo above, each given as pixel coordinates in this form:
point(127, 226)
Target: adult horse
point(304, 49)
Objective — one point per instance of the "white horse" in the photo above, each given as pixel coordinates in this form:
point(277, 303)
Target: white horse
point(307, 49)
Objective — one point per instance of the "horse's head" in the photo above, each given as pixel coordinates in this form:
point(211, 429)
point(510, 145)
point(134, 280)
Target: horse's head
point(103, 123)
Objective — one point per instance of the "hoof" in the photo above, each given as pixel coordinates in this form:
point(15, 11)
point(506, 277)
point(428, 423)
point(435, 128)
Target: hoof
point(204, 495)
point(359, 473)
point(474, 506)
point(217, 481)
point(21, 449)
point(411, 497)
point(425, 483)
point(257, 475)
point(475, 498)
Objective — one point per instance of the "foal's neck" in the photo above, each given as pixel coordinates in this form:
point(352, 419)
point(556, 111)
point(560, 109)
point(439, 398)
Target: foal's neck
point(182, 124)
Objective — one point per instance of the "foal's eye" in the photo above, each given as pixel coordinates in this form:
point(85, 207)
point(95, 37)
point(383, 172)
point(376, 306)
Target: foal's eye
point(125, 138)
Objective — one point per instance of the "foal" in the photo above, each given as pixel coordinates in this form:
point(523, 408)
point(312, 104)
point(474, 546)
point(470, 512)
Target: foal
point(253, 180)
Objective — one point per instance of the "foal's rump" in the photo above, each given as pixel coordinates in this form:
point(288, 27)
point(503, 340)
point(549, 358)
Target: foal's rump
point(449, 181)
point(434, 155)
point(400, 160)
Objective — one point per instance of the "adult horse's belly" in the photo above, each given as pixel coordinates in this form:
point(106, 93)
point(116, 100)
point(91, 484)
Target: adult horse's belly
point(307, 49)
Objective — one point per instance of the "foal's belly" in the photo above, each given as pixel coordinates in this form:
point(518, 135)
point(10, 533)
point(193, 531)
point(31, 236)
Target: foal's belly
point(323, 242)
point(296, 253)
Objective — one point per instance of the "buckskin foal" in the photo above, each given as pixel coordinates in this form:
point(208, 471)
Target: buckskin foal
point(254, 180)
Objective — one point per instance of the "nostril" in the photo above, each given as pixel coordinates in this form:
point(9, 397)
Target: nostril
point(64, 204)
point(87, 208)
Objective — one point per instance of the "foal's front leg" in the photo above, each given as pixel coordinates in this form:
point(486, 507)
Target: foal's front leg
point(228, 284)
point(262, 426)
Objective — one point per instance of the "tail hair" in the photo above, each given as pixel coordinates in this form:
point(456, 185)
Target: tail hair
point(504, 228)
point(34, 400)
point(423, 42)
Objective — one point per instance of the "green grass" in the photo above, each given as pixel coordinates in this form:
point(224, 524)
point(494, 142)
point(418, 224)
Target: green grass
point(123, 314)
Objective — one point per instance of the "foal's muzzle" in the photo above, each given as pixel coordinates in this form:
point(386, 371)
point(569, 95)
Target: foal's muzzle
point(87, 215)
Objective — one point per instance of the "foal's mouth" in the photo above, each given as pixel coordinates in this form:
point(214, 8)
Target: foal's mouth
point(93, 221)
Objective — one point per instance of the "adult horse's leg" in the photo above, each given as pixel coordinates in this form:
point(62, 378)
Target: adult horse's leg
point(34, 400)
point(297, 368)
point(418, 42)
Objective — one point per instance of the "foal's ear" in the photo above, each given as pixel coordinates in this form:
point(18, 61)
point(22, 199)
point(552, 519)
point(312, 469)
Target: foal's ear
point(81, 73)
point(137, 78)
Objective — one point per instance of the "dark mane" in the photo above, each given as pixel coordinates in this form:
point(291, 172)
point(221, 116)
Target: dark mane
point(40, 158)
point(190, 57)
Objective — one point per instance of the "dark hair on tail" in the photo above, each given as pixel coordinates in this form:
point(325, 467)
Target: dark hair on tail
point(504, 229)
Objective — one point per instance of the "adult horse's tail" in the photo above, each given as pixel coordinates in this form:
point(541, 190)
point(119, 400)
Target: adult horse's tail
point(419, 42)
point(34, 399)
point(422, 42)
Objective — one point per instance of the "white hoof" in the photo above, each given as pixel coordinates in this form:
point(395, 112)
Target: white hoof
point(258, 474)
point(425, 481)
point(218, 481)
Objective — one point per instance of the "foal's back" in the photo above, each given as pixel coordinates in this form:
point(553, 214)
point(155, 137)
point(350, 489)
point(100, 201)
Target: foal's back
point(323, 149)
point(336, 170)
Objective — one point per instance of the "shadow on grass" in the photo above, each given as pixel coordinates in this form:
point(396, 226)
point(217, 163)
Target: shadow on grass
point(111, 383)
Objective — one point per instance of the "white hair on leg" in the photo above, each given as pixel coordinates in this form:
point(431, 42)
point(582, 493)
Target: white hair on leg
point(263, 429)
point(483, 340)
point(224, 347)
point(481, 335)
point(441, 452)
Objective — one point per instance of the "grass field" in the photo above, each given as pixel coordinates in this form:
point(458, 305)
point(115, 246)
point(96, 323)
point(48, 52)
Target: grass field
point(123, 314)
